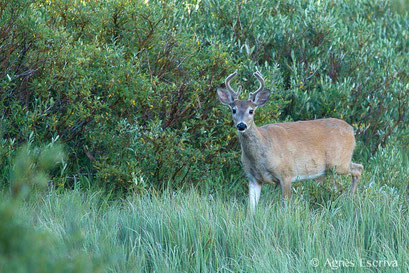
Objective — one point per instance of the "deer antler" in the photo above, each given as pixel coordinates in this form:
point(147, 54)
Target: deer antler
point(239, 90)
point(228, 86)
point(261, 81)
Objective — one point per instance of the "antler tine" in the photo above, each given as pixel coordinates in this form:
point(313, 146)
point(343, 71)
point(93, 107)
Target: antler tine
point(228, 79)
point(260, 79)
point(239, 90)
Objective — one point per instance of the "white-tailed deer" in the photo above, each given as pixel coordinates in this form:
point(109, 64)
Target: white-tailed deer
point(287, 152)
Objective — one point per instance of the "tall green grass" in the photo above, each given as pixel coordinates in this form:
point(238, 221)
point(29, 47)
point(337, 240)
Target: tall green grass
point(190, 232)
point(318, 230)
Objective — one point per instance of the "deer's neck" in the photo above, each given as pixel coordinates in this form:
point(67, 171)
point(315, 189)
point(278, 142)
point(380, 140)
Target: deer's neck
point(251, 141)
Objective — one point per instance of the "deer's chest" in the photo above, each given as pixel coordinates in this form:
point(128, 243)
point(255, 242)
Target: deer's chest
point(260, 167)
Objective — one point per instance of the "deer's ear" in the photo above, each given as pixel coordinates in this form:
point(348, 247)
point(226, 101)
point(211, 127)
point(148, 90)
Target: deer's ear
point(225, 96)
point(261, 97)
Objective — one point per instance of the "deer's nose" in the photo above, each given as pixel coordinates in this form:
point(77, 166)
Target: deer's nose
point(241, 126)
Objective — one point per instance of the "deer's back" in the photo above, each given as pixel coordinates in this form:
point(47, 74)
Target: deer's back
point(320, 132)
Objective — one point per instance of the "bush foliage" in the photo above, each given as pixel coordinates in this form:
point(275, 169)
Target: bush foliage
point(129, 86)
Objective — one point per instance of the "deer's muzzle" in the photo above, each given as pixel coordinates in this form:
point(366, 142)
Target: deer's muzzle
point(241, 126)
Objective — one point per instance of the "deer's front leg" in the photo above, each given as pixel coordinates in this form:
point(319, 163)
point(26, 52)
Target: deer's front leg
point(254, 194)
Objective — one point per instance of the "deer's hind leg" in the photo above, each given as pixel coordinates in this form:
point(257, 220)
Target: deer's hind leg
point(356, 172)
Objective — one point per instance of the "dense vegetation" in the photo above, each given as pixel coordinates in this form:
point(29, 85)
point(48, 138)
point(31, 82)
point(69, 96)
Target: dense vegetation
point(192, 233)
point(116, 156)
point(129, 86)
point(81, 231)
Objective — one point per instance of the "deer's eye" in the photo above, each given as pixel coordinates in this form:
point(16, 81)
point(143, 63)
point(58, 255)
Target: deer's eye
point(251, 111)
point(234, 111)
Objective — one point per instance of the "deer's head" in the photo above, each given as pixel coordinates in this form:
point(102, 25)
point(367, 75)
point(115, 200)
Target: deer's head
point(243, 110)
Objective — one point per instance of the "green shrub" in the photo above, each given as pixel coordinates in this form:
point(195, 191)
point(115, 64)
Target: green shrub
point(22, 247)
point(129, 86)
point(31, 167)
